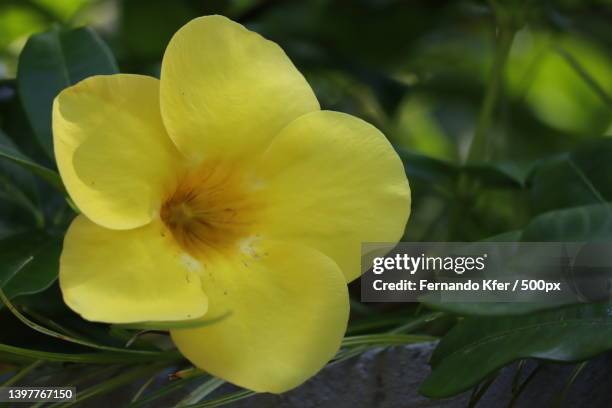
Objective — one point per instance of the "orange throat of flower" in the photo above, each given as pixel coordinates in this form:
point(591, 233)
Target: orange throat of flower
point(212, 208)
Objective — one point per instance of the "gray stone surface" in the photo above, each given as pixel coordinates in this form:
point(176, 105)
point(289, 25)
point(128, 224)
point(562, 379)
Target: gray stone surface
point(385, 378)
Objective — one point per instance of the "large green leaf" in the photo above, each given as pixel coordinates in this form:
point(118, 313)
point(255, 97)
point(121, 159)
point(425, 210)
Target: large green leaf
point(52, 61)
point(478, 347)
point(29, 263)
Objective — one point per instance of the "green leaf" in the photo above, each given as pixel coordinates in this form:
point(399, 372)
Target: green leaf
point(509, 236)
point(386, 339)
point(584, 223)
point(573, 179)
point(170, 325)
point(13, 169)
point(10, 152)
point(63, 336)
point(18, 189)
point(477, 347)
point(489, 308)
point(428, 169)
point(499, 174)
point(29, 263)
point(433, 170)
point(52, 61)
point(201, 392)
point(166, 389)
point(125, 377)
point(225, 399)
point(20, 354)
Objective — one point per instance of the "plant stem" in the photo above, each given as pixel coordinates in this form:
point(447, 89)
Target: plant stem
point(505, 35)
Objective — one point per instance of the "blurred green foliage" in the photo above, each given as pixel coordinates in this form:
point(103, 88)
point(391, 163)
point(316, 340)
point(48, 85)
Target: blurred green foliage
point(532, 78)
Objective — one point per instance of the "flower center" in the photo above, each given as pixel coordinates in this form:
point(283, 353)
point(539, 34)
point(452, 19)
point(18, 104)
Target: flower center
point(211, 208)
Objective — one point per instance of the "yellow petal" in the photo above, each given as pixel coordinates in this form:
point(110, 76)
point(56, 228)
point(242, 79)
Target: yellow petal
point(112, 150)
point(333, 181)
point(287, 309)
point(128, 276)
point(226, 91)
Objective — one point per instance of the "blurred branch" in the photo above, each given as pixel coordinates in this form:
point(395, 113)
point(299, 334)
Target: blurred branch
point(598, 196)
point(506, 28)
point(584, 74)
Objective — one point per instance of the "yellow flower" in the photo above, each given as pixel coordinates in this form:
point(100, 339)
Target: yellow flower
point(223, 190)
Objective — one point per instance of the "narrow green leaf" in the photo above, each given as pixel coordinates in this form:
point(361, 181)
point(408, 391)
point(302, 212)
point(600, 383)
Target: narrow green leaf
point(519, 388)
point(385, 339)
point(224, 400)
point(68, 338)
point(19, 354)
point(169, 388)
point(560, 398)
point(111, 384)
point(373, 323)
point(21, 373)
point(52, 61)
point(480, 391)
point(144, 387)
point(201, 392)
point(181, 324)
